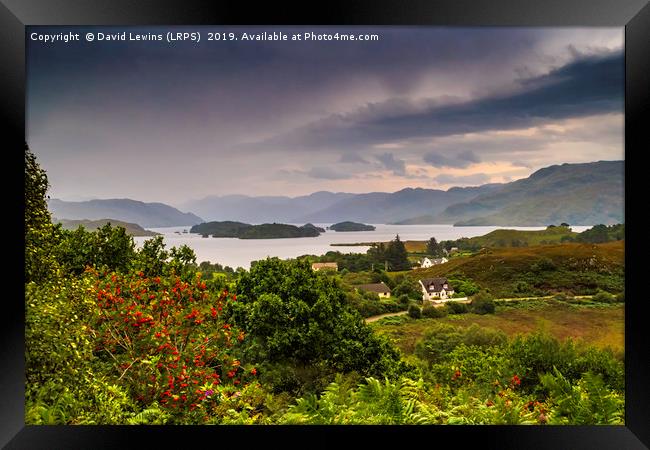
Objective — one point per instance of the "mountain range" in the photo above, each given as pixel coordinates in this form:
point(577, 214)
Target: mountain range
point(147, 215)
point(578, 194)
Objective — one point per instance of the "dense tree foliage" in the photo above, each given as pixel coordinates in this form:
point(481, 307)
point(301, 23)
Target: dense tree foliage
point(434, 248)
point(41, 236)
point(299, 320)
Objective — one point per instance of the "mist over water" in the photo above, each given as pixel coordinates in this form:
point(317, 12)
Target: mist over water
point(235, 252)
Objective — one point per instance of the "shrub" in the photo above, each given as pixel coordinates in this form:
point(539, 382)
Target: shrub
point(482, 303)
point(433, 312)
point(543, 265)
point(456, 308)
point(407, 288)
point(414, 311)
point(620, 297)
point(603, 297)
point(479, 336)
point(403, 300)
point(168, 342)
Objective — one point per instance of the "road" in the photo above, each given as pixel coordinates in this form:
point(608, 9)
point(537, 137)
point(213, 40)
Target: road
point(381, 316)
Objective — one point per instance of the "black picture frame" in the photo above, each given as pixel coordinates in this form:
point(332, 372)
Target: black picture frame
point(634, 15)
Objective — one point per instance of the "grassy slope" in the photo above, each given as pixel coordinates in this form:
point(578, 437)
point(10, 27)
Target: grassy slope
point(579, 268)
point(601, 326)
point(496, 238)
point(91, 225)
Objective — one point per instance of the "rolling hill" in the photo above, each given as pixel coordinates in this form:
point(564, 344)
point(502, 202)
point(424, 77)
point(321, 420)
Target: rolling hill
point(147, 215)
point(579, 194)
point(132, 229)
point(569, 267)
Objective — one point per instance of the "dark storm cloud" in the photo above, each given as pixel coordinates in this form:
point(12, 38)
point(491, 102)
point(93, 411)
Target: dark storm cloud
point(461, 160)
point(389, 162)
point(588, 86)
point(170, 122)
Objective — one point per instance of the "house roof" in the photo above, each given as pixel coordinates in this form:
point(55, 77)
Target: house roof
point(435, 284)
point(330, 265)
point(379, 288)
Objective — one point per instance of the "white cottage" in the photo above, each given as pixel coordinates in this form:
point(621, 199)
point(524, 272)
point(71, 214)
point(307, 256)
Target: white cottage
point(436, 289)
point(426, 262)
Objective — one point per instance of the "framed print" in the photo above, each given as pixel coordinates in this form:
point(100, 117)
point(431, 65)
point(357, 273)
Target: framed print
point(365, 218)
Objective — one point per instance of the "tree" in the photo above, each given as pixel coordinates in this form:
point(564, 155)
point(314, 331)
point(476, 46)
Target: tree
point(434, 248)
point(41, 236)
point(396, 255)
point(108, 248)
point(296, 319)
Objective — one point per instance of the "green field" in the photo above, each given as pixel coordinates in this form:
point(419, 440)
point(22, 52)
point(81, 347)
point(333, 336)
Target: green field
point(602, 326)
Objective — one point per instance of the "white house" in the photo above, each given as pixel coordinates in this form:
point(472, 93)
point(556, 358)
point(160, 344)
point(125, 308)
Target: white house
point(435, 289)
point(426, 262)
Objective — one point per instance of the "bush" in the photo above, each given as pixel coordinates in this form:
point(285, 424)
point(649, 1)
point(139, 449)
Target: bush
point(603, 297)
point(482, 303)
point(543, 265)
point(414, 312)
point(620, 297)
point(407, 288)
point(403, 300)
point(456, 308)
point(433, 312)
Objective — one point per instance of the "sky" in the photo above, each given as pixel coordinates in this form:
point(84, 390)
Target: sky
point(430, 107)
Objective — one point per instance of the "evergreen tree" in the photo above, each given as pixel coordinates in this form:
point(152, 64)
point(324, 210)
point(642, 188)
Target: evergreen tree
point(434, 248)
point(396, 255)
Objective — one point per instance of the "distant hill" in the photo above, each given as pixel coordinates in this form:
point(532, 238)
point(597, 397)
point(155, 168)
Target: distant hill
point(518, 238)
point(578, 194)
point(324, 207)
point(148, 215)
point(351, 226)
point(265, 209)
point(384, 207)
point(132, 229)
point(247, 231)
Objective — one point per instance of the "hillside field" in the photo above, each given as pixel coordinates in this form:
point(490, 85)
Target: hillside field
point(602, 326)
point(580, 269)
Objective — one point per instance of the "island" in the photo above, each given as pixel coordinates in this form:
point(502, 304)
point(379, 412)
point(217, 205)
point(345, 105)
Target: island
point(132, 229)
point(311, 225)
point(242, 230)
point(351, 226)
point(221, 229)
